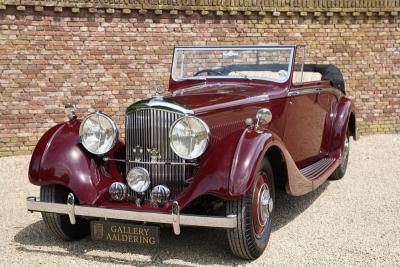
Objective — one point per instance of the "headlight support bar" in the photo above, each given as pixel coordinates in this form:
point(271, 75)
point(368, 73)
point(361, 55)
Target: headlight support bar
point(152, 162)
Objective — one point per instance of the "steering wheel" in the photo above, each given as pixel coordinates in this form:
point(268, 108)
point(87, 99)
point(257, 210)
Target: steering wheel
point(209, 71)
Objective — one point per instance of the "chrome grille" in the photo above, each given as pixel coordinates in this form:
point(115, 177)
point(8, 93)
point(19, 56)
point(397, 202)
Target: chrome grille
point(149, 128)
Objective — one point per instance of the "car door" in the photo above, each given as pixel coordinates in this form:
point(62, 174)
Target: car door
point(305, 124)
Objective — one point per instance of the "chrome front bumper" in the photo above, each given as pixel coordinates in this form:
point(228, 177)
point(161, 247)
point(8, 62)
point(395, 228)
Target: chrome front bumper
point(175, 218)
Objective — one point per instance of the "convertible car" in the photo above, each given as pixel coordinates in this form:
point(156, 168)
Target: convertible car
point(236, 124)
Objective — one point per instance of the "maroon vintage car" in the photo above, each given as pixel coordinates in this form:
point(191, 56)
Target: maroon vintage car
point(236, 123)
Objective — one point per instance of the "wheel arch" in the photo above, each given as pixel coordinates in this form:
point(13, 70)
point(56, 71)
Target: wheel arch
point(352, 125)
point(278, 164)
point(253, 147)
point(60, 159)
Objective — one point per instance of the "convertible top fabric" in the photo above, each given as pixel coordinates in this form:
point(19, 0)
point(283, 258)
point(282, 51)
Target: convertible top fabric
point(329, 72)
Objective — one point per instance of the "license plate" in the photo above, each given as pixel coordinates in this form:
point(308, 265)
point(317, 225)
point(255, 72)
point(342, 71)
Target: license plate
point(125, 233)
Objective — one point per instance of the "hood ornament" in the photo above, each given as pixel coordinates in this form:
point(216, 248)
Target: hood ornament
point(159, 90)
point(154, 154)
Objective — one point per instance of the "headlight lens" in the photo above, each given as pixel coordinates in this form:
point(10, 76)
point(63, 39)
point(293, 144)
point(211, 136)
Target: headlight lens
point(98, 133)
point(189, 137)
point(138, 179)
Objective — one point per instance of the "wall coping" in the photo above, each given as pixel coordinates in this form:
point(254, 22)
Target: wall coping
point(219, 7)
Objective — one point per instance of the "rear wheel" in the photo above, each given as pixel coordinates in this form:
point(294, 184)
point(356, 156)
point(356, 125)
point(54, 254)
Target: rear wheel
point(59, 224)
point(254, 212)
point(341, 169)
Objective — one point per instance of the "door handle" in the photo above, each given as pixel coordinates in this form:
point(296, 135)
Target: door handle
point(291, 95)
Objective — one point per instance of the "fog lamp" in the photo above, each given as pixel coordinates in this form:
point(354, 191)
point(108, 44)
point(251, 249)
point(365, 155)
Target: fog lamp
point(118, 191)
point(160, 194)
point(138, 179)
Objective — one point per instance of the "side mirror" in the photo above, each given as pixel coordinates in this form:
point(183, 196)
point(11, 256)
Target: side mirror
point(264, 115)
point(70, 111)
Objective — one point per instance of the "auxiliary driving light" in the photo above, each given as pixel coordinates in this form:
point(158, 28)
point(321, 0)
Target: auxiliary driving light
point(118, 191)
point(138, 179)
point(160, 194)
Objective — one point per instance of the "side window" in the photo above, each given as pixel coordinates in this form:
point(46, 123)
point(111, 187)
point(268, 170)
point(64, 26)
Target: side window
point(303, 72)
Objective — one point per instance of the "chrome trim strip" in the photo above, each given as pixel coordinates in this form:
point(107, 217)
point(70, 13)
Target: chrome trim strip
point(234, 103)
point(238, 48)
point(307, 91)
point(35, 205)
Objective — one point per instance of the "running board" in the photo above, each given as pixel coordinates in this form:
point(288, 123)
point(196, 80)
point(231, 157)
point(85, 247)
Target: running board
point(314, 170)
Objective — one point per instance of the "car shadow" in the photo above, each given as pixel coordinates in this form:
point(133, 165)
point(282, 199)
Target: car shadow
point(194, 245)
point(288, 207)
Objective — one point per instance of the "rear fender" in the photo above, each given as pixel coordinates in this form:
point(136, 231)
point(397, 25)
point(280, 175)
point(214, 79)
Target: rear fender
point(59, 158)
point(344, 111)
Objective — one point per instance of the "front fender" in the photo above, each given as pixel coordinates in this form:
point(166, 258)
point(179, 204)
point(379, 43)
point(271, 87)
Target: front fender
point(59, 158)
point(250, 151)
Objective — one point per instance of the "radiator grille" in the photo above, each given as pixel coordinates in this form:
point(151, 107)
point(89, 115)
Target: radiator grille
point(149, 129)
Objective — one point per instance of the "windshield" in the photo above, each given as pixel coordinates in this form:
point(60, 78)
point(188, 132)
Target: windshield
point(269, 63)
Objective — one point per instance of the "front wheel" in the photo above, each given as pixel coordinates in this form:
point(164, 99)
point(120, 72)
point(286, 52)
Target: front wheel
point(254, 216)
point(59, 225)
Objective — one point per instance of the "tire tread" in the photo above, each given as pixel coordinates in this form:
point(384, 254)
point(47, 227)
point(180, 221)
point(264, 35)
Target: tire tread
point(240, 239)
point(58, 224)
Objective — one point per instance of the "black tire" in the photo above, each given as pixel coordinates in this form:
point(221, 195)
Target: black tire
point(341, 169)
point(58, 224)
point(243, 240)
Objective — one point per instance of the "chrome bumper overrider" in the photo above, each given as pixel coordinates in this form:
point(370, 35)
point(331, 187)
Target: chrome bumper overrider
point(175, 218)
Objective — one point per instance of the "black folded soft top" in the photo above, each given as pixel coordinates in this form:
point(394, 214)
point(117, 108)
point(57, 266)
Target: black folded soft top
point(329, 72)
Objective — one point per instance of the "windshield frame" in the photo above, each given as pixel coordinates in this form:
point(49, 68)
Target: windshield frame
point(234, 48)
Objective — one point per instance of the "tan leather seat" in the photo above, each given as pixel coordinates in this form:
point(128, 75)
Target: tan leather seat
point(262, 74)
point(307, 76)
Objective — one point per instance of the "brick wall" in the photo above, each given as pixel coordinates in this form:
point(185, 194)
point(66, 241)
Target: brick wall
point(107, 56)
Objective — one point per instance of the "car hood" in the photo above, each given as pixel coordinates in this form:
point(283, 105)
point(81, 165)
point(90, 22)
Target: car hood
point(207, 98)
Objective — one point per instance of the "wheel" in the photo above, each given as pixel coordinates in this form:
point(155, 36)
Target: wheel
point(254, 213)
point(341, 169)
point(59, 224)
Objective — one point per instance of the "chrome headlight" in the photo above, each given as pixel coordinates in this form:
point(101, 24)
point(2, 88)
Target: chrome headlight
point(98, 133)
point(189, 137)
point(138, 179)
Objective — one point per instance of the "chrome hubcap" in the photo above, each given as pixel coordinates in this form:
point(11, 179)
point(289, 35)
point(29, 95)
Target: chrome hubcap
point(346, 151)
point(266, 204)
point(346, 146)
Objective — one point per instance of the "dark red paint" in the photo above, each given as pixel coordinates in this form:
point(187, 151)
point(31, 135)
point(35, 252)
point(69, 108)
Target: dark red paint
point(304, 128)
